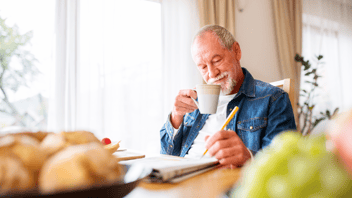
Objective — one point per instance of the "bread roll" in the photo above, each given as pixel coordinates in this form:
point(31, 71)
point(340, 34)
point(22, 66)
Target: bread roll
point(25, 148)
point(14, 176)
point(53, 143)
point(36, 135)
point(78, 166)
point(79, 137)
point(20, 162)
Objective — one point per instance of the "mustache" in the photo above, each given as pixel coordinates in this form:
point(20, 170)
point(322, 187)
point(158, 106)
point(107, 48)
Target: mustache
point(222, 75)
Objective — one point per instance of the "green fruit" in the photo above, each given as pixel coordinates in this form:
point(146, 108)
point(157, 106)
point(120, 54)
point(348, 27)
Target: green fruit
point(301, 170)
point(333, 177)
point(313, 147)
point(278, 186)
point(295, 166)
point(286, 140)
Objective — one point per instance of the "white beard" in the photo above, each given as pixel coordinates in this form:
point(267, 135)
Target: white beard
point(229, 86)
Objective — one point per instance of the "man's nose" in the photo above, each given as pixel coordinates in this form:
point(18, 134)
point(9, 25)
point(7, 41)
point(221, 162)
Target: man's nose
point(213, 71)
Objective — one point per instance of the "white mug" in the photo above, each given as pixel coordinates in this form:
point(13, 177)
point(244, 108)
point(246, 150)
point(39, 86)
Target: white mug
point(208, 97)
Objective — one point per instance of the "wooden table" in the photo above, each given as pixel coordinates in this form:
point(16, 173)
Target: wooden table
point(212, 184)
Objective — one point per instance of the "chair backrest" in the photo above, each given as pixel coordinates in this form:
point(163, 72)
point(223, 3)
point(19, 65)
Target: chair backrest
point(286, 85)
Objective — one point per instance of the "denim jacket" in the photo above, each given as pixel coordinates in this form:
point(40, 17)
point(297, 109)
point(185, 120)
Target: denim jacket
point(264, 111)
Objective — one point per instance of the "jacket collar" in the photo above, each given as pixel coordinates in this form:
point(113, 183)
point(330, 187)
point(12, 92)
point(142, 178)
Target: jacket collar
point(248, 85)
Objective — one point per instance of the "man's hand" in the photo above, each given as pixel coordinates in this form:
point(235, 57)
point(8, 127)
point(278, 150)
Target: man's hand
point(183, 104)
point(228, 148)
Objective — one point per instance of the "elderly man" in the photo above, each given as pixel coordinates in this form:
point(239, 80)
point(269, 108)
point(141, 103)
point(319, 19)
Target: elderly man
point(264, 110)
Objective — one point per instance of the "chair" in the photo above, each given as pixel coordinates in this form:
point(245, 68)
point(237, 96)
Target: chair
point(286, 85)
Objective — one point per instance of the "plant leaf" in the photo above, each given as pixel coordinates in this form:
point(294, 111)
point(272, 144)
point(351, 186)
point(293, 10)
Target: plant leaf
point(328, 114)
point(308, 73)
point(317, 121)
point(335, 112)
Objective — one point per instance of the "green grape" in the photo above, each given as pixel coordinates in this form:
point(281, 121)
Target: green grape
point(271, 162)
point(318, 195)
point(333, 177)
point(286, 141)
point(313, 147)
point(301, 170)
point(254, 190)
point(278, 186)
point(295, 166)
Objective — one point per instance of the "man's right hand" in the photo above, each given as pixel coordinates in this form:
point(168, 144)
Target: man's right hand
point(183, 104)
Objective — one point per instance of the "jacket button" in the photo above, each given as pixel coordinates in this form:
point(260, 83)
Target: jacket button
point(239, 122)
point(186, 123)
point(230, 109)
point(251, 127)
point(171, 146)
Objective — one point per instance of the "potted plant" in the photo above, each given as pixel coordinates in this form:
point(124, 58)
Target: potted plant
point(306, 106)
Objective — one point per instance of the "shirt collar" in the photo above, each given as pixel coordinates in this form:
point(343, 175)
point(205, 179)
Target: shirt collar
point(248, 85)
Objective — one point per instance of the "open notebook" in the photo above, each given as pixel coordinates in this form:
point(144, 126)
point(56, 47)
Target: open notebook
point(166, 168)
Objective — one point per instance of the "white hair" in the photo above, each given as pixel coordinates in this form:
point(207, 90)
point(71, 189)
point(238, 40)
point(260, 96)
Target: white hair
point(226, 39)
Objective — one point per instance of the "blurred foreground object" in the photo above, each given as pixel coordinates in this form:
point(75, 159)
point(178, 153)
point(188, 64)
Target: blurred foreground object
point(20, 161)
point(78, 166)
point(54, 162)
point(340, 132)
point(112, 148)
point(295, 166)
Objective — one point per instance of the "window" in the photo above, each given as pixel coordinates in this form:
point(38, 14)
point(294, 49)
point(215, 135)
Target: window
point(26, 44)
point(119, 75)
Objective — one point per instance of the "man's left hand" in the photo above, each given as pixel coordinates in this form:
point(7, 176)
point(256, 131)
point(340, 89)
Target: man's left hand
point(228, 148)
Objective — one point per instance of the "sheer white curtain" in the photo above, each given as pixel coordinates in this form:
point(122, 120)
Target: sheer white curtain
point(130, 59)
point(180, 23)
point(327, 30)
point(62, 110)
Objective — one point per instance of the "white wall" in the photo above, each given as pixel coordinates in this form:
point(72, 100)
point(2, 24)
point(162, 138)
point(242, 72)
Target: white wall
point(255, 32)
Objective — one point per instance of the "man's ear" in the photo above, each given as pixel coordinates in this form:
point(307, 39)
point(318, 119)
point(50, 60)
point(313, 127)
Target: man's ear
point(237, 51)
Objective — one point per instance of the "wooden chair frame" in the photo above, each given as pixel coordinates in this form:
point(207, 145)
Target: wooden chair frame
point(286, 85)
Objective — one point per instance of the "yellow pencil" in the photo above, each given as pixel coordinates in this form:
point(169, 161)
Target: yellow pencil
point(234, 111)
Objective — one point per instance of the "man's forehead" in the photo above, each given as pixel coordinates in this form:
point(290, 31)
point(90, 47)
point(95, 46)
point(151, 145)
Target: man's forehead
point(204, 42)
point(205, 37)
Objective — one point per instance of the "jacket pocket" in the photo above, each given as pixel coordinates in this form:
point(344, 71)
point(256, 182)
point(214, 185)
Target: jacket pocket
point(251, 131)
point(252, 124)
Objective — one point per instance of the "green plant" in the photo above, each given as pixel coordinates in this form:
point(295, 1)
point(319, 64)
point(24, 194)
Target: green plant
point(306, 107)
point(12, 77)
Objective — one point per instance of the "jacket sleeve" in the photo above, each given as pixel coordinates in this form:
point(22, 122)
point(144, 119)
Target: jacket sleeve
point(170, 144)
point(280, 117)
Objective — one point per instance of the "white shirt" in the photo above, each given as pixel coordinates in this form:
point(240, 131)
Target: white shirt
point(212, 125)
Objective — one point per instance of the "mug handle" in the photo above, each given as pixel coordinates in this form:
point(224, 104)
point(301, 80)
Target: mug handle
point(195, 102)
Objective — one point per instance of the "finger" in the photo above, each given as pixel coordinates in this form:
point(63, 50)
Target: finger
point(232, 160)
point(238, 156)
point(206, 137)
point(185, 101)
point(233, 166)
point(225, 152)
point(178, 110)
point(230, 166)
point(221, 144)
point(225, 167)
point(188, 92)
point(220, 135)
point(181, 104)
